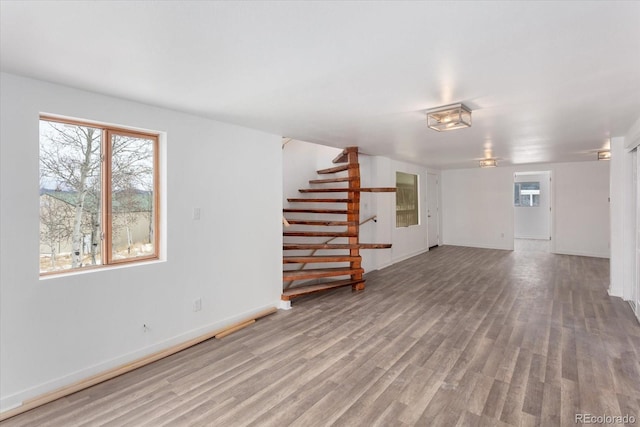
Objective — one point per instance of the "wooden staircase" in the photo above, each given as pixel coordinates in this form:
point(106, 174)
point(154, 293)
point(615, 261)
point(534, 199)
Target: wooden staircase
point(339, 253)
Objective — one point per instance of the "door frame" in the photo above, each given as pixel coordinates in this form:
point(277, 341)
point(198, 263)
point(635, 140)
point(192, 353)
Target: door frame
point(550, 213)
point(430, 215)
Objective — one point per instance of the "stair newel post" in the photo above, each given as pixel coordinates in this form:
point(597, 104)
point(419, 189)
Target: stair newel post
point(353, 214)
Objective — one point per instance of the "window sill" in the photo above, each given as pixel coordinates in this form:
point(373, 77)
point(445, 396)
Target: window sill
point(91, 270)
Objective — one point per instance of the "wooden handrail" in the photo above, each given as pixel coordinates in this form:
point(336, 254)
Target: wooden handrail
point(287, 285)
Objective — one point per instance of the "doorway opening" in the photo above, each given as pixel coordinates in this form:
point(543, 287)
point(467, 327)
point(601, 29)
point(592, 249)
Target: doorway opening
point(433, 210)
point(532, 211)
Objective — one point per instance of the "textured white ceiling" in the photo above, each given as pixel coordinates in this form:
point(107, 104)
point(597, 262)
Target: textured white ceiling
point(547, 81)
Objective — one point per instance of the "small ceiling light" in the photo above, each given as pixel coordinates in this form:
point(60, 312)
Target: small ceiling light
point(604, 155)
point(488, 163)
point(450, 117)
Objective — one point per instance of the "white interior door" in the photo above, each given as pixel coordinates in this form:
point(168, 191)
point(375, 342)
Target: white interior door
point(636, 291)
point(433, 209)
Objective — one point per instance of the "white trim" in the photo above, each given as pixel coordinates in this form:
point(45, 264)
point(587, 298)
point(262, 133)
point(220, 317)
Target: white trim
point(404, 257)
point(578, 253)
point(533, 237)
point(284, 305)
point(612, 294)
point(411, 255)
point(632, 138)
point(481, 246)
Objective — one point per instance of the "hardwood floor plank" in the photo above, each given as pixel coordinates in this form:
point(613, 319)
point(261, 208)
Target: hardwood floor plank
point(514, 401)
point(551, 405)
point(628, 406)
point(373, 403)
point(285, 412)
point(390, 416)
point(533, 397)
point(418, 395)
point(328, 409)
point(569, 402)
point(495, 400)
point(478, 398)
point(537, 368)
point(569, 362)
point(455, 336)
point(553, 373)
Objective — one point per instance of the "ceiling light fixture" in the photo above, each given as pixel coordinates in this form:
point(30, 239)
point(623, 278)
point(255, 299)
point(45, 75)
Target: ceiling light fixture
point(604, 155)
point(449, 117)
point(488, 163)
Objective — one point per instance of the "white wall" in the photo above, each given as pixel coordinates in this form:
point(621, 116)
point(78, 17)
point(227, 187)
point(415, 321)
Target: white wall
point(534, 222)
point(477, 207)
point(300, 161)
point(56, 331)
point(581, 208)
point(623, 215)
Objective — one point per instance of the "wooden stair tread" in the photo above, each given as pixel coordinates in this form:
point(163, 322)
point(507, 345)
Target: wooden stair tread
point(305, 246)
point(330, 180)
point(292, 200)
point(319, 233)
point(348, 189)
point(319, 272)
point(319, 211)
point(344, 155)
point(307, 259)
point(318, 287)
point(320, 222)
point(335, 169)
point(375, 245)
point(378, 189)
point(325, 190)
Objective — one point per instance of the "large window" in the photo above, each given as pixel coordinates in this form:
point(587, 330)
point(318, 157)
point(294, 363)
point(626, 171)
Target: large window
point(98, 195)
point(526, 194)
point(406, 199)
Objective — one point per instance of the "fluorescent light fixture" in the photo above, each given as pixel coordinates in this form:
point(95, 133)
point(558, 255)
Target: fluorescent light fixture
point(488, 163)
point(604, 155)
point(449, 117)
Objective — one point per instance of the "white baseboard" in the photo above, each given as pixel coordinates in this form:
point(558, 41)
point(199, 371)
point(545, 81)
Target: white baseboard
point(505, 247)
point(407, 256)
point(613, 294)
point(399, 259)
point(532, 237)
point(580, 253)
point(636, 310)
point(284, 305)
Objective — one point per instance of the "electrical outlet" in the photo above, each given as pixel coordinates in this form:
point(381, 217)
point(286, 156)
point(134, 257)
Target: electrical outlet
point(197, 304)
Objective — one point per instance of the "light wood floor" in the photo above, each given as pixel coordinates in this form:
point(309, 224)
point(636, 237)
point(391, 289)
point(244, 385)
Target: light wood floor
point(531, 245)
point(457, 336)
